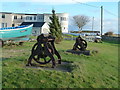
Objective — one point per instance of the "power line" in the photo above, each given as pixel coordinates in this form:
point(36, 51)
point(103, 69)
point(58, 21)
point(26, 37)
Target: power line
point(86, 4)
point(101, 13)
point(109, 12)
point(95, 7)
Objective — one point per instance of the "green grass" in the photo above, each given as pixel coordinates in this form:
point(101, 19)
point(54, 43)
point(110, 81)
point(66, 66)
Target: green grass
point(69, 36)
point(99, 70)
point(112, 42)
point(0, 69)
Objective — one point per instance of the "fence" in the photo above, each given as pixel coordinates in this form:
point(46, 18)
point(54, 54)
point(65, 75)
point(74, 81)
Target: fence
point(87, 38)
point(111, 38)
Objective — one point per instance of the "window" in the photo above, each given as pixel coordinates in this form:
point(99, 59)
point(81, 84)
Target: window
point(4, 25)
point(27, 18)
point(21, 17)
point(40, 17)
point(63, 19)
point(3, 15)
point(30, 18)
point(15, 17)
point(13, 25)
point(34, 17)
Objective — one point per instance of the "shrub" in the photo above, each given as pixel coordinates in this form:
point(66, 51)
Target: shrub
point(109, 33)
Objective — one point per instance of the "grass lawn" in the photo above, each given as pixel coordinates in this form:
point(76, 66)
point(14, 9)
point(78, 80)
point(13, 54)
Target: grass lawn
point(99, 70)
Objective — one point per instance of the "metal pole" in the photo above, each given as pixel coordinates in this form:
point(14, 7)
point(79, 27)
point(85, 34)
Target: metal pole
point(92, 28)
point(101, 20)
point(92, 24)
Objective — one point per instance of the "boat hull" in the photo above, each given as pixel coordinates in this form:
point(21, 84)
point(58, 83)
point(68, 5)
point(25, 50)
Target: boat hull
point(16, 34)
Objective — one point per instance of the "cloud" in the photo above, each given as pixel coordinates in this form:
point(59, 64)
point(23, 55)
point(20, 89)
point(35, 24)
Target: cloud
point(111, 25)
point(108, 25)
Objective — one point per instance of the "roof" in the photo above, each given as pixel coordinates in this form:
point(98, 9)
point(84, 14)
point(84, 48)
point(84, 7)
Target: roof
point(6, 12)
point(19, 13)
point(30, 13)
point(35, 24)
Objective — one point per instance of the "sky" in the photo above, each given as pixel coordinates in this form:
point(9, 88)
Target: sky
point(90, 8)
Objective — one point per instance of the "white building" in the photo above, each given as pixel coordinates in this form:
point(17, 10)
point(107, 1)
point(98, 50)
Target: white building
point(16, 19)
point(6, 20)
point(38, 27)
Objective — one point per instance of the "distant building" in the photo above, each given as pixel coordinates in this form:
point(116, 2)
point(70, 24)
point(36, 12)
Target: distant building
point(16, 19)
point(38, 27)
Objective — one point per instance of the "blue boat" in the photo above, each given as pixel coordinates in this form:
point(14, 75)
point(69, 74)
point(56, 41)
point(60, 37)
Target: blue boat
point(18, 33)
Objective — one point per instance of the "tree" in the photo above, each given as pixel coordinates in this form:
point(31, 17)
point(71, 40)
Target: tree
point(55, 27)
point(81, 20)
point(110, 33)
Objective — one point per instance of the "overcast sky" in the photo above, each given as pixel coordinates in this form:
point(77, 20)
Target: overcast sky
point(90, 8)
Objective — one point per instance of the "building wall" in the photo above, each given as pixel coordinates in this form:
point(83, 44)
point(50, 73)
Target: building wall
point(40, 18)
point(7, 21)
point(36, 31)
point(63, 19)
point(30, 18)
point(47, 17)
point(15, 19)
point(45, 29)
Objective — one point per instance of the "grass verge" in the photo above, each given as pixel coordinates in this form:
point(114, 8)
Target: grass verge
point(99, 70)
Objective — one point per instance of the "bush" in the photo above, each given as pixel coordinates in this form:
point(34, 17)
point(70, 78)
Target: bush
point(109, 33)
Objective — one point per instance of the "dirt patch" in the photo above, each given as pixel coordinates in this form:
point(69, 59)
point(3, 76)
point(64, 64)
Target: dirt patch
point(78, 52)
point(64, 67)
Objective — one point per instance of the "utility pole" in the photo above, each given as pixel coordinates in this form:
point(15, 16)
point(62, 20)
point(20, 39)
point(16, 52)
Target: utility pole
point(92, 23)
point(101, 20)
point(92, 26)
